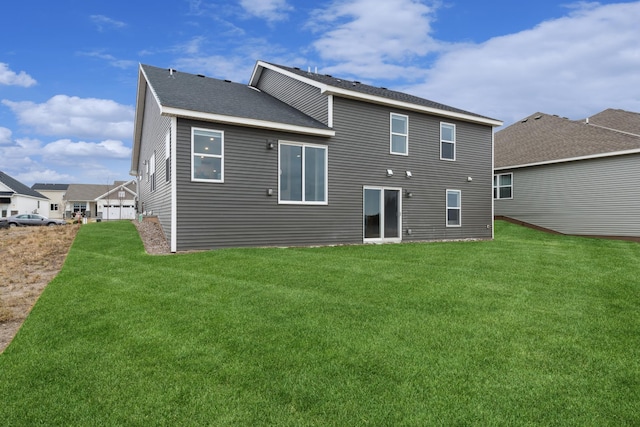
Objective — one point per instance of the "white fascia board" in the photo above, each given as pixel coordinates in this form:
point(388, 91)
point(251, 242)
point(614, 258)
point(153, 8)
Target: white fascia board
point(572, 159)
point(141, 99)
point(410, 106)
point(241, 121)
point(256, 75)
point(332, 90)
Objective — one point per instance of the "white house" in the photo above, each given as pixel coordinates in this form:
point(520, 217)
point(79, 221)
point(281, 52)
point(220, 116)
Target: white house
point(17, 198)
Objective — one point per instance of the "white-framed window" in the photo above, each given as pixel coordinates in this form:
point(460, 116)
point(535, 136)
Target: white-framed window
point(303, 177)
point(399, 139)
point(152, 172)
point(447, 141)
point(503, 186)
point(454, 208)
point(207, 155)
point(167, 157)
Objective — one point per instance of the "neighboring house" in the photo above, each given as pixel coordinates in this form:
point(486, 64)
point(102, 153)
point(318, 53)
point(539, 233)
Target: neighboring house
point(108, 202)
point(17, 198)
point(55, 193)
point(299, 158)
point(574, 177)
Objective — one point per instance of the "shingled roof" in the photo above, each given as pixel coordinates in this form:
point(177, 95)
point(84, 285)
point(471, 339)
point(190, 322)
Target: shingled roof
point(345, 87)
point(543, 138)
point(197, 93)
point(18, 187)
point(38, 186)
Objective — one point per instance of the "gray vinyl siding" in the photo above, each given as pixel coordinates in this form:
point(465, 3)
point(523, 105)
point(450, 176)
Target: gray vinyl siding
point(154, 131)
point(239, 212)
point(586, 197)
point(300, 95)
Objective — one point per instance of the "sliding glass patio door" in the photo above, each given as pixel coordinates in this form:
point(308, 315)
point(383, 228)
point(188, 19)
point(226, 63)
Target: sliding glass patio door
point(382, 214)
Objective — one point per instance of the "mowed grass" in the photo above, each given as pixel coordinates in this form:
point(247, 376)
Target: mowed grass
point(528, 329)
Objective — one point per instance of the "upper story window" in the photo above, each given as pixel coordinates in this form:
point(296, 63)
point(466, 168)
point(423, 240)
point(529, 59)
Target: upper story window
point(454, 208)
point(207, 155)
point(447, 141)
point(152, 173)
point(503, 186)
point(303, 173)
point(399, 134)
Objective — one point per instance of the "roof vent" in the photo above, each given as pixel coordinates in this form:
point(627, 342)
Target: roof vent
point(328, 75)
point(228, 81)
point(538, 117)
point(200, 75)
point(525, 120)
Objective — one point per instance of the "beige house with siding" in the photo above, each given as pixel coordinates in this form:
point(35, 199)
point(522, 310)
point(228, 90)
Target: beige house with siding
point(577, 177)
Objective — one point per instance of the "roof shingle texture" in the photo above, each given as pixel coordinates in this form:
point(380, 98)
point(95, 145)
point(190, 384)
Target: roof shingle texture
point(208, 95)
point(543, 138)
point(382, 92)
point(19, 187)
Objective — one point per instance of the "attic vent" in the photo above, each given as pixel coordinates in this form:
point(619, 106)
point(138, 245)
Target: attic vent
point(228, 81)
point(357, 82)
point(200, 75)
point(537, 117)
point(525, 120)
point(296, 68)
point(328, 75)
point(383, 88)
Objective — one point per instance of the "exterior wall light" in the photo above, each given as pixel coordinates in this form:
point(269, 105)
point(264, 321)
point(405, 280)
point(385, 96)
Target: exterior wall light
point(408, 173)
point(269, 191)
point(469, 179)
point(270, 144)
point(389, 172)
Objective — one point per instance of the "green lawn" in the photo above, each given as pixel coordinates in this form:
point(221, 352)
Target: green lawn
point(528, 329)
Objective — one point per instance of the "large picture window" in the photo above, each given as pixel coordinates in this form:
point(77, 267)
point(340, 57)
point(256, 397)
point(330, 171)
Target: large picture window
point(399, 134)
point(503, 186)
point(303, 173)
point(447, 141)
point(454, 208)
point(207, 155)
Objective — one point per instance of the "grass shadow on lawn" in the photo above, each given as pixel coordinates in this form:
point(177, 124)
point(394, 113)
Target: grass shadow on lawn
point(527, 329)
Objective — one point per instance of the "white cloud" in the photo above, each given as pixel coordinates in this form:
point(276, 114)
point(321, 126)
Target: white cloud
point(233, 68)
point(112, 60)
point(104, 149)
point(102, 22)
point(20, 154)
point(5, 136)
point(72, 116)
point(375, 39)
point(11, 78)
point(573, 66)
point(37, 174)
point(271, 10)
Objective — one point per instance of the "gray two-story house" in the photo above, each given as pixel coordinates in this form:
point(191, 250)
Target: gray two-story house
point(300, 158)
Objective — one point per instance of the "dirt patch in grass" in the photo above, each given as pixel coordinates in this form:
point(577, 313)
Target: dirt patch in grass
point(29, 258)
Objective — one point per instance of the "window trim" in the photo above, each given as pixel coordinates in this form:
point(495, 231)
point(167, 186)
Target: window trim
point(497, 186)
point(459, 208)
point(152, 173)
point(442, 141)
point(391, 134)
point(217, 156)
point(304, 145)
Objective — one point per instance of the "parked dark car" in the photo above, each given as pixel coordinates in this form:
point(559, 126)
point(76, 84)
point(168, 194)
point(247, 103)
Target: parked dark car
point(33, 219)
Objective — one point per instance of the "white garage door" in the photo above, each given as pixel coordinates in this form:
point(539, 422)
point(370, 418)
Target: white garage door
point(118, 212)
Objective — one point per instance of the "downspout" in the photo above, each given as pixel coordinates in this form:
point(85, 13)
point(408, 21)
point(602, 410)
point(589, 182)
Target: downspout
point(173, 129)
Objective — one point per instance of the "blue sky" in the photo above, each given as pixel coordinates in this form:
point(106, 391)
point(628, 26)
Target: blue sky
point(68, 69)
